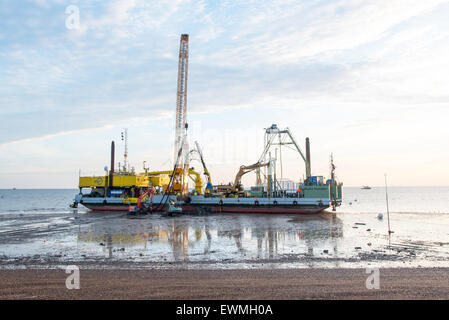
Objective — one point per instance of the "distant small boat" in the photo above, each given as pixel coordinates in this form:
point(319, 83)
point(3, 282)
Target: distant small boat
point(366, 188)
point(14, 188)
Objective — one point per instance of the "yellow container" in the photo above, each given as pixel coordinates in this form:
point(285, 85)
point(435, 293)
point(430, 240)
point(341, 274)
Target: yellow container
point(118, 181)
point(86, 182)
point(129, 181)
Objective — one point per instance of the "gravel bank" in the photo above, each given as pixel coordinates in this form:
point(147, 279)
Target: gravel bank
point(395, 283)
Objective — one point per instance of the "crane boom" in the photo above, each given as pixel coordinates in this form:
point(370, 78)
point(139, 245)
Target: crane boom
point(200, 152)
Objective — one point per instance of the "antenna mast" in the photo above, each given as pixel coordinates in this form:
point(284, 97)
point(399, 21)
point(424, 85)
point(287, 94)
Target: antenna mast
point(125, 155)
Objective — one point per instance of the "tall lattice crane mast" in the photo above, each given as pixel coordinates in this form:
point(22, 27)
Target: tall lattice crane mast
point(181, 100)
point(181, 146)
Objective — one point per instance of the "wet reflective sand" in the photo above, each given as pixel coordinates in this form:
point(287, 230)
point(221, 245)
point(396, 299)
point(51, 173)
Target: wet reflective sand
point(37, 229)
point(221, 241)
point(232, 256)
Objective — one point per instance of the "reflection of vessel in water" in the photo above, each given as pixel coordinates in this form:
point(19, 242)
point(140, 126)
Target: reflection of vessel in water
point(366, 188)
point(124, 190)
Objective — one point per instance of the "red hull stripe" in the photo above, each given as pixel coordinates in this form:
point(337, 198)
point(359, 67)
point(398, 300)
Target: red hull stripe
point(121, 208)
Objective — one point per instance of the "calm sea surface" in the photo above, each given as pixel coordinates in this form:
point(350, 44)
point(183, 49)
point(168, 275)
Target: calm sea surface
point(37, 227)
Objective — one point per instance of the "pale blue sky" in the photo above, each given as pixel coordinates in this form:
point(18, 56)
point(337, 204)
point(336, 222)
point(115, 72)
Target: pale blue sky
point(366, 80)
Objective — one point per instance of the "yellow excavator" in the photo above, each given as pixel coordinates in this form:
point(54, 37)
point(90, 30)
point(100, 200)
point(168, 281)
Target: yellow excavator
point(236, 188)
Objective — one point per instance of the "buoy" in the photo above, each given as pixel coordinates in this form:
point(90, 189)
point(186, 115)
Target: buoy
point(380, 216)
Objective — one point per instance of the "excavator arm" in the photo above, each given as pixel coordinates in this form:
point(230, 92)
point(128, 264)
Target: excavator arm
point(244, 170)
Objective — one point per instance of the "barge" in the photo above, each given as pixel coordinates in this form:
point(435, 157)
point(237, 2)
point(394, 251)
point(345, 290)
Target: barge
point(155, 191)
point(127, 191)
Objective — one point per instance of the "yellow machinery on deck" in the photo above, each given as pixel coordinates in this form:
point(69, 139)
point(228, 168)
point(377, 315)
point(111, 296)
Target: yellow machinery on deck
point(177, 186)
point(125, 180)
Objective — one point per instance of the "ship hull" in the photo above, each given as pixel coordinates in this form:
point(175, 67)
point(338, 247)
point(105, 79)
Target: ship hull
point(264, 209)
point(216, 209)
point(213, 204)
point(108, 208)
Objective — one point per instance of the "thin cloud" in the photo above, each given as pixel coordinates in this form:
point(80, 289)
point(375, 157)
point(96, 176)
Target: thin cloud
point(340, 63)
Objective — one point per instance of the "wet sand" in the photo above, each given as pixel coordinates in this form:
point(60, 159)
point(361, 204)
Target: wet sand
point(222, 241)
point(395, 283)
